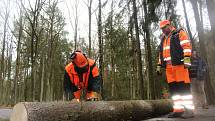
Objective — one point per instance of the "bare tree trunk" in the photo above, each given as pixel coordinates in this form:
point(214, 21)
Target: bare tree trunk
point(9, 60)
point(210, 83)
point(139, 60)
point(112, 81)
point(52, 87)
point(33, 23)
point(128, 57)
point(146, 29)
point(90, 15)
point(132, 52)
point(48, 90)
point(187, 24)
point(32, 59)
point(2, 72)
point(76, 24)
point(211, 11)
point(100, 42)
point(26, 82)
point(201, 14)
point(42, 79)
point(18, 58)
point(7, 49)
point(209, 90)
point(50, 57)
point(51, 51)
point(134, 81)
point(112, 53)
point(199, 27)
point(9, 70)
point(167, 4)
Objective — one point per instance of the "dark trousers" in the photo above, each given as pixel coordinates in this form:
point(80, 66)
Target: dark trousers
point(179, 88)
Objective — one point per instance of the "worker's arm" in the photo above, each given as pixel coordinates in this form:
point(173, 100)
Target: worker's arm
point(94, 85)
point(159, 64)
point(204, 65)
point(187, 47)
point(185, 43)
point(158, 68)
point(94, 82)
point(160, 50)
point(69, 88)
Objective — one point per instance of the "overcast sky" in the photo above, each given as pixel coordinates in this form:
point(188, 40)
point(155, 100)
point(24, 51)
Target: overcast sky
point(83, 16)
point(67, 7)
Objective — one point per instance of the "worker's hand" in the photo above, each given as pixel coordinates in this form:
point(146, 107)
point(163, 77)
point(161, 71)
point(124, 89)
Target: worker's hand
point(187, 62)
point(92, 99)
point(75, 100)
point(93, 96)
point(158, 70)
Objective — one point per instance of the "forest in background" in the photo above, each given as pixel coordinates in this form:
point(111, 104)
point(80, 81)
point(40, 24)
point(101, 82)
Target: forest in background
point(35, 47)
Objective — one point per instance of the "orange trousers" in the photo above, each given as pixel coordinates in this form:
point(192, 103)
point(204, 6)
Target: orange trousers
point(177, 73)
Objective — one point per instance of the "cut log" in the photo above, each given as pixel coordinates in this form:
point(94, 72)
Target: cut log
point(133, 110)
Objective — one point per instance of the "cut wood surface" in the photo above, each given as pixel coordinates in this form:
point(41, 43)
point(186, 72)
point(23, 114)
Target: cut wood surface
point(132, 110)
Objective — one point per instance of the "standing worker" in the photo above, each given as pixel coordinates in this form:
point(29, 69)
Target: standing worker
point(174, 56)
point(82, 74)
point(197, 73)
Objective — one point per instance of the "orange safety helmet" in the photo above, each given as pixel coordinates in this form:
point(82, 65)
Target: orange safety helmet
point(79, 59)
point(164, 23)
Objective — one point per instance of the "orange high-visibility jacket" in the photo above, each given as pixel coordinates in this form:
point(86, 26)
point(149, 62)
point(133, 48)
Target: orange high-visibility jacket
point(89, 75)
point(174, 48)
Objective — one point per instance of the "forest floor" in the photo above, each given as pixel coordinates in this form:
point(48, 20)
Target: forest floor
point(200, 115)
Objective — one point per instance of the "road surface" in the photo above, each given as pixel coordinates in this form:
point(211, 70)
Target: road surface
point(200, 115)
point(5, 114)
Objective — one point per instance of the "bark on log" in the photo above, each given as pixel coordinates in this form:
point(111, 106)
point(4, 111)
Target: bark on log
point(133, 110)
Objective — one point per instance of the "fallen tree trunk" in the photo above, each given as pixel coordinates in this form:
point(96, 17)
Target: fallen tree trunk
point(133, 110)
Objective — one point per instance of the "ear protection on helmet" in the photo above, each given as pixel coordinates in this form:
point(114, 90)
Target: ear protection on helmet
point(73, 55)
point(79, 69)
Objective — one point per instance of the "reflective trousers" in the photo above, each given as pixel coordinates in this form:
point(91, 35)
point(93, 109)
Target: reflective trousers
point(179, 87)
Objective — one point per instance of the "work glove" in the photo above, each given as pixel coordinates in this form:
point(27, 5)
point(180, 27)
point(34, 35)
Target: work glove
point(77, 96)
point(158, 70)
point(93, 96)
point(187, 62)
point(75, 100)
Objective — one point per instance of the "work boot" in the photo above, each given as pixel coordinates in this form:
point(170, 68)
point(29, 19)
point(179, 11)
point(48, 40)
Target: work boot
point(187, 114)
point(174, 114)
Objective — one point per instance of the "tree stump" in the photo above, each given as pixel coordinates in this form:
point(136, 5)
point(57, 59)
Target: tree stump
point(132, 110)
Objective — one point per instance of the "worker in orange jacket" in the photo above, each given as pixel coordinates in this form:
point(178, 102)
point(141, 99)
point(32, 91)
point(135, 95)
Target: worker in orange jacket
point(174, 55)
point(82, 74)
